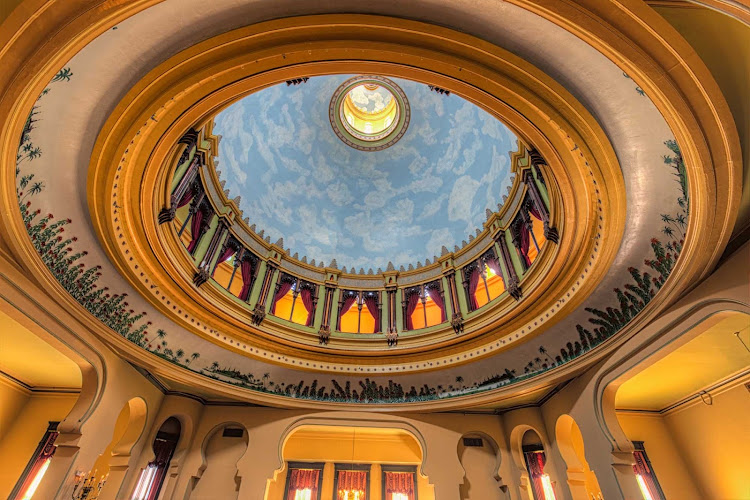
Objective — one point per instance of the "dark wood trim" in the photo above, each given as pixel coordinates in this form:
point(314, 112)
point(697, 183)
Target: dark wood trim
point(398, 468)
point(304, 465)
point(367, 468)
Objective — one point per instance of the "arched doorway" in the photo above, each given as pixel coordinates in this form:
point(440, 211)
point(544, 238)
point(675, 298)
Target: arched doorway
point(350, 463)
point(581, 479)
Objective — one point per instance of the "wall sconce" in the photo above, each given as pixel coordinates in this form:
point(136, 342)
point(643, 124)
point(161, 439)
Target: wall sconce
point(88, 488)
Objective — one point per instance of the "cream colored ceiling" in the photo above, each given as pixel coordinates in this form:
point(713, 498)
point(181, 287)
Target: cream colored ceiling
point(724, 45)
point(709, 358)
point(27, 358)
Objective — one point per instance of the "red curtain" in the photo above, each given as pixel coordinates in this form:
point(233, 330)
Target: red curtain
point(307, 301)
point(187, 196)
point(352, 480)
point(195, 228)
point(535, 463)
point(525, 239)
point(399, 482)
point(246, 270)
point(534, 211)
point(641, 467)
point(371, 301)
point(348, 301)
point(303, 479)
point(438, 300)
point(163, 450)
point(473, 284)
point(284, 287)
point(411, 306)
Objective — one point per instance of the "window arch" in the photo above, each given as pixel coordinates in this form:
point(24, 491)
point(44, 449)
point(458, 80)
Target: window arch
point(359, 311)
point(424, 305)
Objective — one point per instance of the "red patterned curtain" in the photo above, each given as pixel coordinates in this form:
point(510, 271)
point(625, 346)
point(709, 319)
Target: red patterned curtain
point(307, 301)
point(535, 463)
point(246, 271)
point(303, 479)
point(371, 301)
point(438, 300)
point(195, 228)
point(641, 467)
point(351, 481)
point(348, 301)
point(284, 287)
point(399, 482)
point(411, 306)
point(473, 284)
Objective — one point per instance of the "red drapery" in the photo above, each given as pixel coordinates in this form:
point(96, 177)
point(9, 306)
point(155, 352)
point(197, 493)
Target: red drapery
point(187, 196)
point(348, 301)
point(399, 482)
point(473, 284)
point(411, 306)
point(371, 301)
point(246, 271)
point(438, 300)
point(307, 301)
point(195, 228)
point(535, 462)
point(641, 467)
point(525, 239)
point(535, 212)
point(284, 287)
point(352, 480)
point(163, 450)
point(303, 479)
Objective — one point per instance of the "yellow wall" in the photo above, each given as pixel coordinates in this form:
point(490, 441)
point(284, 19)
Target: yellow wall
point(674, 474)
point(219, 478)
point(349, 320)
point(495, 286)
point(344, 446)
point(26, 430)
point(12, 399)
point(715, 440)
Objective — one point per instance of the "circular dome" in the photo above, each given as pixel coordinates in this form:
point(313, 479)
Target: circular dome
point(369, 113)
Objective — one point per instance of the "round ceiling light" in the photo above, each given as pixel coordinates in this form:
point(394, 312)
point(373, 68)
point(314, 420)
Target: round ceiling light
point(369, 113)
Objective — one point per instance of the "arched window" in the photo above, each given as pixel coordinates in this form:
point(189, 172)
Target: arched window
point(152, 477)
point(295, 300)
point(424, 306)
point(359, 311)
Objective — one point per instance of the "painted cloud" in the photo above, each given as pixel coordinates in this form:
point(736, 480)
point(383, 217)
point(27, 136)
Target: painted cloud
point(300, 182)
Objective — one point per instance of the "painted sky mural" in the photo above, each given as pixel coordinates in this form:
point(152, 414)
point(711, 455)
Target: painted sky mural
point(298, 181)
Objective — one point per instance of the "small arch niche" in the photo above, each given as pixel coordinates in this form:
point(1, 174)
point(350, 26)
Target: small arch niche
point(218, 474)
point(539, 484)
point(478, 455)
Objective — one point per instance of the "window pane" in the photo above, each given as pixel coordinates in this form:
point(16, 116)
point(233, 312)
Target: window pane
point(349, 319)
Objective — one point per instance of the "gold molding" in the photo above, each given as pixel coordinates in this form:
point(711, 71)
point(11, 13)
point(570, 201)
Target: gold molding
point(214, 73)
point(627, 32)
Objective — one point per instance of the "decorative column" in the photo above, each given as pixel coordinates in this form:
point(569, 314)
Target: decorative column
point(189, 139)
point(457, 320)
point(259, 311)
point(514, 288)
point(202, 274)
point(324, 334)
point(535, 198)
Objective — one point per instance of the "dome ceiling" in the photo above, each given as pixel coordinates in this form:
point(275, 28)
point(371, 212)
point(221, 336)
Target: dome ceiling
point(279, 153)
point(615, 129)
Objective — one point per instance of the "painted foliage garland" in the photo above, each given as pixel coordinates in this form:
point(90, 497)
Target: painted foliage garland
point(55, 248)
